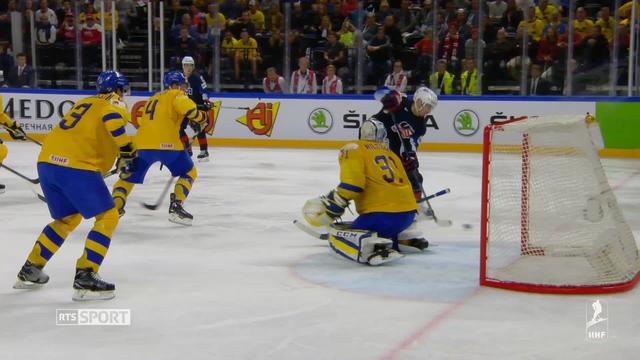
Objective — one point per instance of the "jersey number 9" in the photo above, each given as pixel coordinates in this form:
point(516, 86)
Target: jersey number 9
point(76, 114)
point(387, 165)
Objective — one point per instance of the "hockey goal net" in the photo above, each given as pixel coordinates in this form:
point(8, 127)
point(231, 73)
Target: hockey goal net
point(550, 221)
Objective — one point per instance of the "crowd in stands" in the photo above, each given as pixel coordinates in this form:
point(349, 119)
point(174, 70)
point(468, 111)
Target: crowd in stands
point(404, 42)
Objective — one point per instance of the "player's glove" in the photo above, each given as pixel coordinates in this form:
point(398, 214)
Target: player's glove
point(410, 161)
point(16, 132)
point(325, 209)
point(206, 106)
point(126, 162)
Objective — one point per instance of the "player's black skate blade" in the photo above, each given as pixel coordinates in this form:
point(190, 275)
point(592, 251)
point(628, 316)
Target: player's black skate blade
point(382, 255)
point(203, 156)
point(89, 286)
point(177, 214)
point(30, 277)
point(2, 188)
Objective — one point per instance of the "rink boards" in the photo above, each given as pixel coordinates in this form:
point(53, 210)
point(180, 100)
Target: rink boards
point(313, 121)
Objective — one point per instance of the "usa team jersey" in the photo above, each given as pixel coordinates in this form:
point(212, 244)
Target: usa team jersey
point(197, 90)
point(89, 135)
point(373, 176)
point(160, 123)
point(404, 129)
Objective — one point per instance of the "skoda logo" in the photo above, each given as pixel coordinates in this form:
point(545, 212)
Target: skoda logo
point(466, 123)
point(320, 121)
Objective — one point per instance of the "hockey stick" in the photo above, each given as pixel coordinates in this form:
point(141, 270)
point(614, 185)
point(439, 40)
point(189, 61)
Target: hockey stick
point(235, 107)
point(158, 202)
point(26, 137)
point(309, 231)
point(35, 181)
point(434, 195)
point(439, 222)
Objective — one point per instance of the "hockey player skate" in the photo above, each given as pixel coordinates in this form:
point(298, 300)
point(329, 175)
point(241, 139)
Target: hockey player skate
point(203, 156)
point(177, 214)
point(2, 188)
point(411, 239)
point(30, 277)
point(89, 286)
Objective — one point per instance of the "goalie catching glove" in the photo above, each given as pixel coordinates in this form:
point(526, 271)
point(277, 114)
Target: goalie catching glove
point(324, 210)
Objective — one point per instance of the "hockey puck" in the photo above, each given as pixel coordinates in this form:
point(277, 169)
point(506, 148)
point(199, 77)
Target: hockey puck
point(467, 226)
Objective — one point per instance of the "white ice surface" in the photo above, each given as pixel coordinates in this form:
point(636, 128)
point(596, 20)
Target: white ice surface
point(244, 283)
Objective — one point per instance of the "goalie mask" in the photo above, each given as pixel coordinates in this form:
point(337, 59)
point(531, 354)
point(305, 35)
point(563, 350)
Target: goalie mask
point(372, 130)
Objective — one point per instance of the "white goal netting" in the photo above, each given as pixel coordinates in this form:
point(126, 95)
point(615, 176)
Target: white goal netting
point(552, 218)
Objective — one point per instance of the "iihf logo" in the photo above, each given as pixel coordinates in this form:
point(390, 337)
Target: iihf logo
point(597, 318)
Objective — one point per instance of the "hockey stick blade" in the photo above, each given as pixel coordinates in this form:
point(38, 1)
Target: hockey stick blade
point(23, 177)
point(158, 202)
point(309, 231)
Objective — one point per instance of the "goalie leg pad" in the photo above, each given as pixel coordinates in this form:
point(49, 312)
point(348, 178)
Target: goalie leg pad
point(361, 246)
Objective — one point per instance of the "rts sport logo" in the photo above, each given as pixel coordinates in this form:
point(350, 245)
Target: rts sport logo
point(261, 118)
point(320, 121)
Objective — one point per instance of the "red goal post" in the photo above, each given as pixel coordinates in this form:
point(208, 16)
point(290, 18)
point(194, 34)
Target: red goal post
point(549, 220)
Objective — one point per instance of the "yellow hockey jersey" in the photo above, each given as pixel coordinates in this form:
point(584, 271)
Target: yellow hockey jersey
point(5, 120)
point(89, 135)
point(160, 122)
point(373, 176)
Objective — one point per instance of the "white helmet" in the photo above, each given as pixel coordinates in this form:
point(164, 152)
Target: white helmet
point(372, 130)
point(188, 60)
point(425, 96)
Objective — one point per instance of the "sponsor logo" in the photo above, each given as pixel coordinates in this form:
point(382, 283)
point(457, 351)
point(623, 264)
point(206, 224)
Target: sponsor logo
point(466, 123)
point(352, 120)
point(212, 117)
point(597, 320)
point(166, 146)
point(93, 317)
point(59, 159)
point(261, 118)
point(320, 121)
point(500, 117)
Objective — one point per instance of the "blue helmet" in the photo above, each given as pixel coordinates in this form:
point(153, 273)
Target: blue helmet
point(174, 77)
point(110, 81)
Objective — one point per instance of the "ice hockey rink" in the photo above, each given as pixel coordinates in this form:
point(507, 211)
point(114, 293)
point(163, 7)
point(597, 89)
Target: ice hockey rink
point(244, 283)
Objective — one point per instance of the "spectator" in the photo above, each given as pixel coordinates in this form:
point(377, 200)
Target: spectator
point(441, 81)
point(256, 16)
point(461, 21)
point(67, 32)
point(556, 24)
point(383, 11)
point(512, 17)
point(91, 32)
point(534, 25)
point(273, 54)
point(186, 24)
point(425, 52)
point(45, 31)
point(331, 84)
point(88, 9)
point(469, 79)
point(247, 52)
point(397, 80)
point(196, 15)
point(471, 45)
point(497, 9)
point(44, 9)
point(303, 80)
point(544, 10)
point(548, 50)
point(498, 55)
point(379, 50)
point(273, 83)
point(323, 30)
point(336, 53)
point(472, 16)
point(346, 33)
point(186, 45)
point(349, 7)
point(127, 13)
point(229, 45)
point(244, 22)
point(5, 20)
point(335, 13)
point(232, 9)
point(214, 17)
point(405, 19)
point(582, 24)
point(606, 23)
point(426, 16)
point(370, 28)
point(6, 63)
point(176, 12)
point(27, 12)
point(595, 48)
point(21, 75)
point(537, 84)
point(451, 47)
point(274, 18)
point(394, 35)
point(62, 12)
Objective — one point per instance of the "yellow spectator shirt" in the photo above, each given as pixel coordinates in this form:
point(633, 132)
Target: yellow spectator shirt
point(373, 176)
point(89, 135)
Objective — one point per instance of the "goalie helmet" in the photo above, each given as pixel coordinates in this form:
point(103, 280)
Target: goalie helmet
point(372, 130)
point(425, 96)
